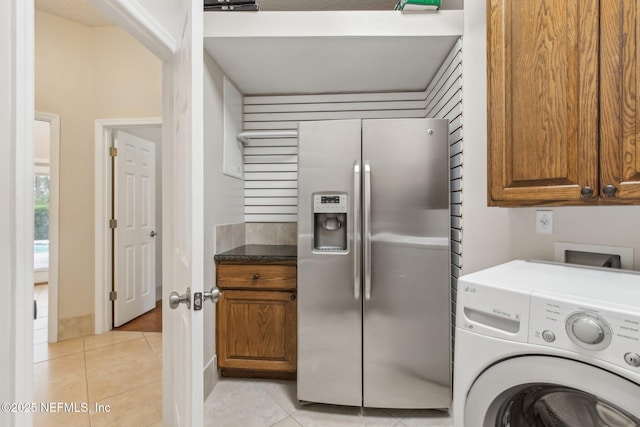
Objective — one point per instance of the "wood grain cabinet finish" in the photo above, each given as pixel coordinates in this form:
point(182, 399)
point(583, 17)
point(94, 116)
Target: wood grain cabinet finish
point(256, 329)
point(256, 277)
point(619, 99)
point(562, 114)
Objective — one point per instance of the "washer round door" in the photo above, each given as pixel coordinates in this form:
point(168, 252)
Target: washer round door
point(538, 391)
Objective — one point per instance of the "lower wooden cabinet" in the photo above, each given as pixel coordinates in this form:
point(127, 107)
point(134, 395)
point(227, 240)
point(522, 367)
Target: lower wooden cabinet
point(256, 326)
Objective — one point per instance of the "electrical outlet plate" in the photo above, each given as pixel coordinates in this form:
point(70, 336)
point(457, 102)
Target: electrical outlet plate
point(544, 222)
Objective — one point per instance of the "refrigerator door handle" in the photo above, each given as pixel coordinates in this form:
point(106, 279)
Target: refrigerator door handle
point(367, 230)
point(357, 249)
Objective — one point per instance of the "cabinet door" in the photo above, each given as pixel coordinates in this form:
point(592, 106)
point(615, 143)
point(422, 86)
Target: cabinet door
point(542, 100)
point(257, 330)
point(620, 111)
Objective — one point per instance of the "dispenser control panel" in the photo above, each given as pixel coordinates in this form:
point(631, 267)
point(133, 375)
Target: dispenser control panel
point(330, 203)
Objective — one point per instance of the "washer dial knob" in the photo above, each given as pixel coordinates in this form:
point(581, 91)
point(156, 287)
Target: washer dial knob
point(588, 330)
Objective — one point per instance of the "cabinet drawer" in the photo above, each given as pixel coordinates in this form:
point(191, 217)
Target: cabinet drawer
point(256, 276)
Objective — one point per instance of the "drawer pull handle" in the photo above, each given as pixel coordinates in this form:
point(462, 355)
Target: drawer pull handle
point(256, 276)
point(293, 297)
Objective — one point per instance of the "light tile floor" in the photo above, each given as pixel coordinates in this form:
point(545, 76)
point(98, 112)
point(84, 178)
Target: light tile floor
point(271, 403)
point(123, 370)
point(118, 370)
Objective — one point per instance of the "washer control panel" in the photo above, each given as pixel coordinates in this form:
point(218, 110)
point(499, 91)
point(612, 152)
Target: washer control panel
point(583, 327)
point(588, 330)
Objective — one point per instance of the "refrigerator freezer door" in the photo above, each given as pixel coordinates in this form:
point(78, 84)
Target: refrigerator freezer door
point(406, 332)
point(329, 308)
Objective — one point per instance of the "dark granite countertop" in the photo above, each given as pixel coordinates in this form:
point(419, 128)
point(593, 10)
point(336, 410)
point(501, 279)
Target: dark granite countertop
point(259, 254)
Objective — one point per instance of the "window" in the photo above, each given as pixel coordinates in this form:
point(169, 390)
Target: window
point(41, 222)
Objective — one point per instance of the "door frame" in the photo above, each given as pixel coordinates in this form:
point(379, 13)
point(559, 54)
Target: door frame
point(16, 365)
point(54, 211)
point(103, 202)
point(16, 194)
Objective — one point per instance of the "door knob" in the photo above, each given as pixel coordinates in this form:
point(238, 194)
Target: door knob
point(153, 234)
point(213, 295)
point(175, 299)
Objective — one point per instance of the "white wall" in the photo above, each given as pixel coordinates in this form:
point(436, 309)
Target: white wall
point(83, 74)
point(485, 231)
point(223, 197)
point(604, 225)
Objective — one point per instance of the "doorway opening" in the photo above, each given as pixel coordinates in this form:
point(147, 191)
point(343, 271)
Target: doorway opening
point(45, 239)
point(128, 224)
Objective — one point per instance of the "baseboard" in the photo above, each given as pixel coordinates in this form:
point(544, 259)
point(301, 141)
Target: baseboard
point(210, 376)
point(74, 327)
point(40, 277)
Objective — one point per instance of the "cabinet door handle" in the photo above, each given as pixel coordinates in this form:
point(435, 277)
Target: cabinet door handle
point(609, 190)
point(256, 276)
point(586, 192)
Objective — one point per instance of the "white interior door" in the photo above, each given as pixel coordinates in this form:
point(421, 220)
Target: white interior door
point(183, 213)
point(135, 243)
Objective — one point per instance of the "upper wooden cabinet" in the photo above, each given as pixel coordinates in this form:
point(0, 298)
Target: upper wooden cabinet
point(619, 103)
point(562, 109)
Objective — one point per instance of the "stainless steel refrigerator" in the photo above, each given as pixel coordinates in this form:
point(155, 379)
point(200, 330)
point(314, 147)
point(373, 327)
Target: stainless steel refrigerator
point(373, 263)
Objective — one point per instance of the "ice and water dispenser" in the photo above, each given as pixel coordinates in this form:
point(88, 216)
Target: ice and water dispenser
point(330, 222)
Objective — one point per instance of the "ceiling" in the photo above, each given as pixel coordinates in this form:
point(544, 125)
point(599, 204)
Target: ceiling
point(81, 11)
point(329, 64)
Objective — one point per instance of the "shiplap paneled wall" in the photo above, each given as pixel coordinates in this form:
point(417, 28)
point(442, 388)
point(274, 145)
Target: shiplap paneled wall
point(271, 167)
point(444, 100)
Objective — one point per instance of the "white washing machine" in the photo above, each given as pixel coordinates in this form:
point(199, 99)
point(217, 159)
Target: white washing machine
point(542, 344)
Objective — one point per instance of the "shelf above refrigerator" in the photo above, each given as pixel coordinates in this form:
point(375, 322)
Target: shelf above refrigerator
point(331, 52)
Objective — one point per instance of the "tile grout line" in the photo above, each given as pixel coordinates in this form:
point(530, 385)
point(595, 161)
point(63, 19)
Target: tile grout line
point(127, 391)
point(148, 343)
point(86, 376)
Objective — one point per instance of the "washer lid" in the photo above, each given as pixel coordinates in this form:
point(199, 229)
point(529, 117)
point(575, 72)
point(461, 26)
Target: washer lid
point(551, 391)
point(604, 286)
